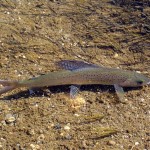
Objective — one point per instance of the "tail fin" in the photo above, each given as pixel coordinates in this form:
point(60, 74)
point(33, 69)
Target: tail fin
point(8, 86)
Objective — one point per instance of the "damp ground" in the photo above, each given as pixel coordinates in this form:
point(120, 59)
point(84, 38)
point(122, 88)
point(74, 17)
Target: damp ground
point(36, 34)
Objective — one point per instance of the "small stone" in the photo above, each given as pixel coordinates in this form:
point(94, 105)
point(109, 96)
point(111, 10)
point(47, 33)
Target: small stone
point(138, 71)
point(61, 134)
point(9, 118)
point(1, 146)
point(137, 143)
point(77, 115)
point(35, 147)
point(116, 55)
point(19, 75)
point(3, 123)
point(77, 103)
point(41, 137)
point(2, 143)
point(67, 127)
point(57, 126)
point(142, 99)
point(23, 56)
point(8, 12)
point(111, 142)
point(31, 132)
point(68, 137)
point(51, 125)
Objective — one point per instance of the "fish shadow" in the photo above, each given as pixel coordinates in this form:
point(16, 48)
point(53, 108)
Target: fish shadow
point(46, 92)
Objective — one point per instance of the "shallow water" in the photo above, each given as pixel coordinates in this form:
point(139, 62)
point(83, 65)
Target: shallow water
point(36, 34)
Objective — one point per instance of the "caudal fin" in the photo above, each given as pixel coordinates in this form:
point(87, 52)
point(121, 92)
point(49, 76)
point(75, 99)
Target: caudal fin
point(7, 86)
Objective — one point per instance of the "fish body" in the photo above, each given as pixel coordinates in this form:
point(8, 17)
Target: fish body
point(86, 76)
point(81, 73)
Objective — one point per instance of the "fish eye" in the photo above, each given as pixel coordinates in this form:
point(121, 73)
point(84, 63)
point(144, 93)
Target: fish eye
point(139, 82)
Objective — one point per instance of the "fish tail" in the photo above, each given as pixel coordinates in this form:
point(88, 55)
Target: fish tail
point(8, 86)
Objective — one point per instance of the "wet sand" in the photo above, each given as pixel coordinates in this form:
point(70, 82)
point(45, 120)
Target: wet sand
point(34, 35)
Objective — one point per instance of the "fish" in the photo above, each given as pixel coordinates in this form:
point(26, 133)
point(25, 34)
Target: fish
point(77, 73)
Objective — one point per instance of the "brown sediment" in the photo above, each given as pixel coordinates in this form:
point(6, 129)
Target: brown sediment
point(36, 34)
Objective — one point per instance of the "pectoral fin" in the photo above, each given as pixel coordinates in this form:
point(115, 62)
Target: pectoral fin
point(74, 90)
point(120, 92)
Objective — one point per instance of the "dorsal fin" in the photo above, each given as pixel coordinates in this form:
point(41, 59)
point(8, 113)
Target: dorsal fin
point(74, 65)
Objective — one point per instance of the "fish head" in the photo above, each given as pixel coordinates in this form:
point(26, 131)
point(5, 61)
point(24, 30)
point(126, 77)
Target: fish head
point(136, 80)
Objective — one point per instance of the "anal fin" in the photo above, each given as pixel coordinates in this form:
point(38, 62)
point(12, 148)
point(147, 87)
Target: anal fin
point(74, 90)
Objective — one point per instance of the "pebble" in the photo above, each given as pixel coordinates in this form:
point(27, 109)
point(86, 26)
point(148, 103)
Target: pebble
point(1, 146)
point(137, 143)
point(138, 71)
point(7, 12)
point(78, 102)
point(66, 127)
point(116, 55)
point(3, 123)
point(34, 147)
point(31, 132)
point(68, 137)
point(9, 118)
point(77, 115)
point(111, 142)
point(23, 56)
point(41, 137)
point(142, 100)
point(57, 126)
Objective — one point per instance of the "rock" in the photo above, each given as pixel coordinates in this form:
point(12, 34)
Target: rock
point(68, 137)
point(1, 146)
point(111, 143)
point(34, 146)
point(41, 137)
point(137, 143)
point(9, 118)
point(116, 55)
point(31, 132)
point(57, 127)
point(3, 123)
point(67, 127)
point(77, 115)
